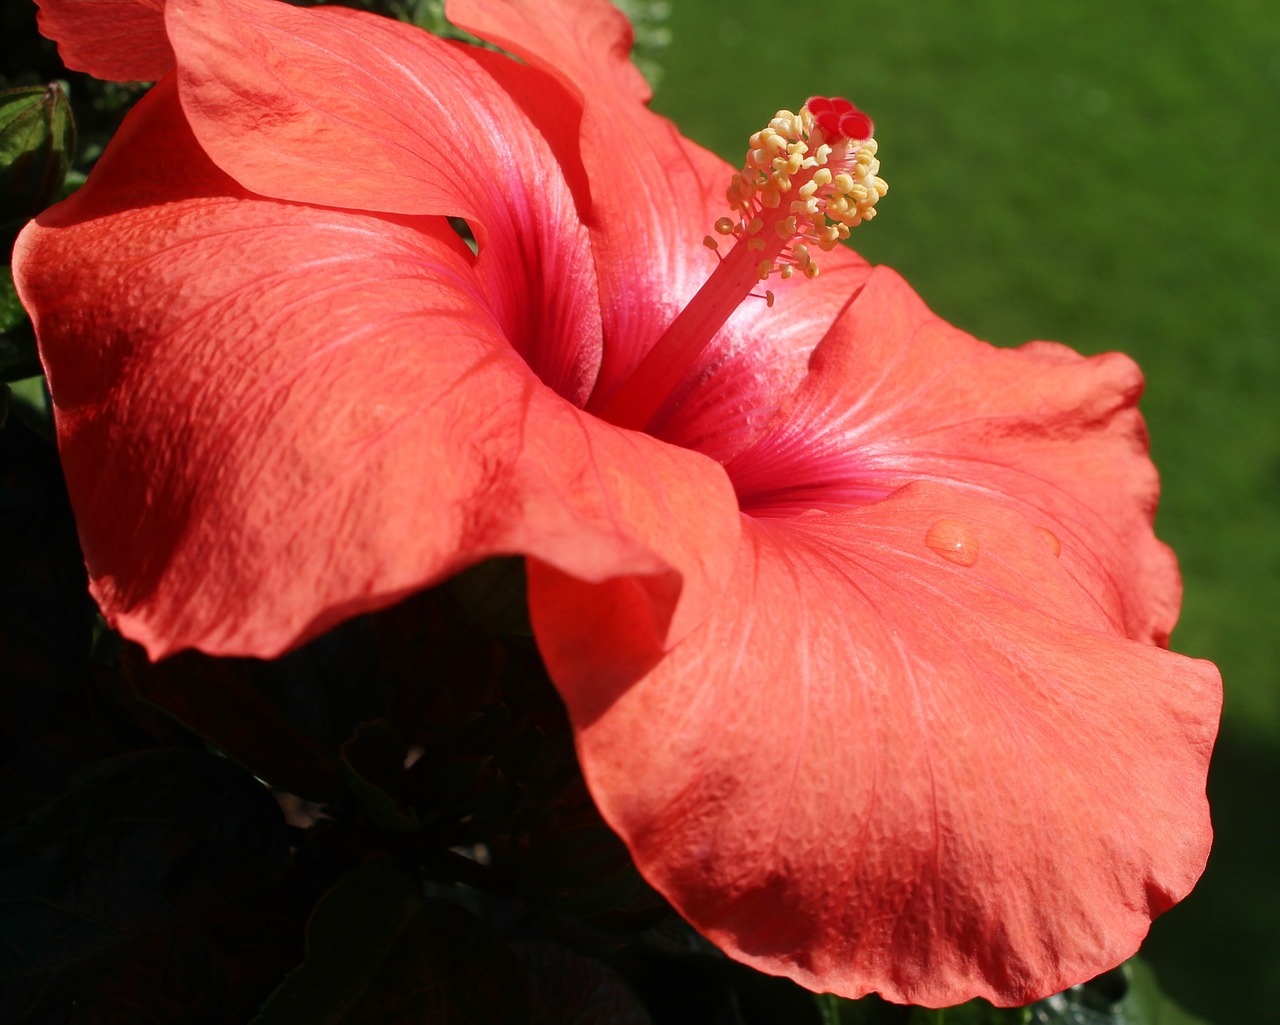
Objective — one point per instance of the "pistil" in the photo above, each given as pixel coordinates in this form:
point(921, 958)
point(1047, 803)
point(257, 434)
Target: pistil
point(807, 180)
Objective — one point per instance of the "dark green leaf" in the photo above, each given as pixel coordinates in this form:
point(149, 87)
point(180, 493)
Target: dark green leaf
point(218, 699)
point(1128, 995)
point(493, 595)
point(149, 892)
point(46, 621)
point(975, 1012)
point(870, 1010)
point(373, 767)
point(18, 357)
point(379, 954)
point(681, 986)
point(570, 989)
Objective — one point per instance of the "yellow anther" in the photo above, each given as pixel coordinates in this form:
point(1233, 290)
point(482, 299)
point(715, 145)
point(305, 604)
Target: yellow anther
point(769, 298)
point(710, 243)
point(784, 122)
point(809, 184)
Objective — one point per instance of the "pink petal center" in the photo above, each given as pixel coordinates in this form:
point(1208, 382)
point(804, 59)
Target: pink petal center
point(802, 189)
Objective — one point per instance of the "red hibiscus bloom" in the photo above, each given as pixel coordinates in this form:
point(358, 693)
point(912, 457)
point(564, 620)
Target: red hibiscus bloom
point(859, 621)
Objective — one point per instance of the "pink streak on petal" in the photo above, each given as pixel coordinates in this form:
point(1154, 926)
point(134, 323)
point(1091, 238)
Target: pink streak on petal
point(656, 196)
point(896, 394)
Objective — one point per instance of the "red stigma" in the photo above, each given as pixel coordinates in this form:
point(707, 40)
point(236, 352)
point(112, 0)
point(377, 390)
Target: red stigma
point(839, 119)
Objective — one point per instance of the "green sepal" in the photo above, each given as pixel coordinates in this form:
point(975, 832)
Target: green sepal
point(37, 143)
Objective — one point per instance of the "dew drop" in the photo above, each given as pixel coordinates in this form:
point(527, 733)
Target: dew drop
point(1055, 545)
point(954, 541)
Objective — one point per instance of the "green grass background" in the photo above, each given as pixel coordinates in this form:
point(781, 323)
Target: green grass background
point(1102, 174)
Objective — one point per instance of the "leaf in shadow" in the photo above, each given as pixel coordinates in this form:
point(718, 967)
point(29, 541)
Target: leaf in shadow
point(373, 767)
point(570, 989)
point(1127, 995)
point(378, 953)
point(222, 701)
point(150, 892)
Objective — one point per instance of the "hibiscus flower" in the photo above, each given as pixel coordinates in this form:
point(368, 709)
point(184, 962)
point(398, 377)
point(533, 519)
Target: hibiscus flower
point(859, 621)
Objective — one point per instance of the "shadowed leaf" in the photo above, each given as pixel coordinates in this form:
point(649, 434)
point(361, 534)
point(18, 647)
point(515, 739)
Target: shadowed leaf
point(379, 954)
point(373, 767)
point(569, 989)
point(219, 699)
point(1128, 995)
point(149, 892)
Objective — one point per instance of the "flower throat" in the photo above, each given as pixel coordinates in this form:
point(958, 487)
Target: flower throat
point(808, 179)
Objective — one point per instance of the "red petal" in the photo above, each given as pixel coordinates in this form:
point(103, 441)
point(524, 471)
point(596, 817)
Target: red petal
point(120, 40)
point(273, 417)
point(896, 394)
point(655, 196)
point(878, 769)
point(342, 108)
point(338, 108)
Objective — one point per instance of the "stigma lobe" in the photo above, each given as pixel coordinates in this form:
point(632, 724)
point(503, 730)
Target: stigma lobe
point(840, 119)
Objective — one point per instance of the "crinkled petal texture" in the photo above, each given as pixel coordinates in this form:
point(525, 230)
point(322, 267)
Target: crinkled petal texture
point(915, 750)
point(120, 40)
point(284, 415)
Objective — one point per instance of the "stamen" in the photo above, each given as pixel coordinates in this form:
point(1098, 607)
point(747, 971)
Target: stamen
point(808, 179)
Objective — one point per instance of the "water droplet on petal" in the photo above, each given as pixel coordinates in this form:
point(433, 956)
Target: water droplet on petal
point(954, 541)
point(1055, 545)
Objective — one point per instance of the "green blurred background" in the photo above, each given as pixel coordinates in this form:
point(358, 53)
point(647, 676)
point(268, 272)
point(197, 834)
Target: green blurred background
point(1102, 174)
